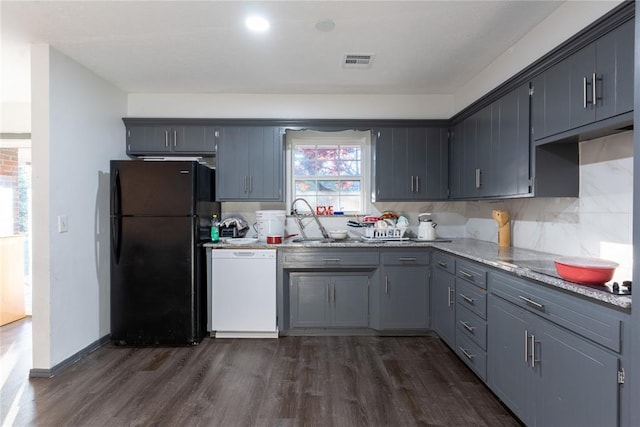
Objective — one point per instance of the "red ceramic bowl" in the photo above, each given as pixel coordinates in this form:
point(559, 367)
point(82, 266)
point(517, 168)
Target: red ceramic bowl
point(586, 271)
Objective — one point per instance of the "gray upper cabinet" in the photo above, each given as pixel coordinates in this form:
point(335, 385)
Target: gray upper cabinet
point(250, 164)
point(510, 148)
point(170, 138)
point(593, 84)
point(614, 68)
point(490, 150)
point(197, 140)
point(411, 164)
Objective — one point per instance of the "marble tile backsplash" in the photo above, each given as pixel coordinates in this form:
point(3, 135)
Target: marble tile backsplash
point(596, 224)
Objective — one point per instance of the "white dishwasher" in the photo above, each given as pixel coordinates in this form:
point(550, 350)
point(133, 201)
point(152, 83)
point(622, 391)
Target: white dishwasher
point(243, 293)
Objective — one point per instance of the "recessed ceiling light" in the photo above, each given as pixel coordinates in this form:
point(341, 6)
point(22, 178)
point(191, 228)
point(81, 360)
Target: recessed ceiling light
point(257, 24)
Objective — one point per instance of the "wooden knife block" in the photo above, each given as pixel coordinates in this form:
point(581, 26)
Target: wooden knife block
point(502, 217)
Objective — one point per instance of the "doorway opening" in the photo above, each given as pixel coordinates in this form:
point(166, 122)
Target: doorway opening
point(15, 228)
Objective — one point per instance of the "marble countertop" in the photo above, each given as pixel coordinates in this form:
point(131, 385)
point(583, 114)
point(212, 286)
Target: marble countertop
point(521, 262)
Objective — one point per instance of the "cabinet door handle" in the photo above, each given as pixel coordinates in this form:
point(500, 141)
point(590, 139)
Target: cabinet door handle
point(477, 177)
point(413, 189)
point(449, 298)
point(533, 351)
point(166, 138)
point(329, 294)
point(526, 346)
point(175, 138)
point(417, 184)
point(466, 353)
point(467, 299)
point(467, 326)
point(467, 275)
point(532, 303)
point(584, 92)
point(386, 285)
point(442, 264)
point(593, 89)
point(250, 184)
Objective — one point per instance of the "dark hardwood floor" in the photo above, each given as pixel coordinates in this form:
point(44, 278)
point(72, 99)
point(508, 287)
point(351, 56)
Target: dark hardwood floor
point(315, 381)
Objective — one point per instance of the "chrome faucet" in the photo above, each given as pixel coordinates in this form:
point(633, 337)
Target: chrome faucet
point(299, 218)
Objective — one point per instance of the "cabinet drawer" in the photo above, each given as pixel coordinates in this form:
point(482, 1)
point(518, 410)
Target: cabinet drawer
point(472, 355)
point(472, 273)
point(471, 325)
point(405, 258)
point(471, 297)
point(591, 320)
point(444, 262)
point(301, 259)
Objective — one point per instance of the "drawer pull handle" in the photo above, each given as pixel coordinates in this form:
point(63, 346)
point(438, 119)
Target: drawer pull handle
point(331, 259)
point(407, 259)
point(466, 353)
point(532, 303)
point(467, 299)
point(442, 264)
point(467, 326)
point(467, 275)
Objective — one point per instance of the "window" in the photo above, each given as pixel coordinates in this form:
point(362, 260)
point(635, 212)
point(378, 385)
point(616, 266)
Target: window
point(328, 169)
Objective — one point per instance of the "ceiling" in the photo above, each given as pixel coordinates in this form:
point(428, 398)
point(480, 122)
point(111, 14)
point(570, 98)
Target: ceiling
point(420, 47)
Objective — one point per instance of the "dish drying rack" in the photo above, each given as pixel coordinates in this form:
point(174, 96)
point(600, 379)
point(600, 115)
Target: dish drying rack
point(386, 234)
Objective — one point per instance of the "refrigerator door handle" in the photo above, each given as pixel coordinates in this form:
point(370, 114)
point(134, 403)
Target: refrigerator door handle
point(116, 237)
point(116, 198)
point(116, 218)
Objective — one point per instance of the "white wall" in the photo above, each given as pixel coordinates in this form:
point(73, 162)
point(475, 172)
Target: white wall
point(76, 130)
point(562, 24)
point(291, 106)
point(566, 21)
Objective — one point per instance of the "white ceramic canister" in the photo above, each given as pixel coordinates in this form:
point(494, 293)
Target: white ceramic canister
point(270, 223)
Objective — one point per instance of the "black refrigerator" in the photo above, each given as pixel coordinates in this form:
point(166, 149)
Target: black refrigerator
point(160, 217)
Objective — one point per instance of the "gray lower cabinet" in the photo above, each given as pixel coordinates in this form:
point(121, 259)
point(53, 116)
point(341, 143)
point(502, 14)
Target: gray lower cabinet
point(250, 164)
point(319, 300)
point(546, 374)
point(404, 290)
point(471, 316)
point(170, 138)
point(443, 303)
point(411, 164)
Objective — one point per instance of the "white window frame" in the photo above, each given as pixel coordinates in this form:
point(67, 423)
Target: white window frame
point(308, 137)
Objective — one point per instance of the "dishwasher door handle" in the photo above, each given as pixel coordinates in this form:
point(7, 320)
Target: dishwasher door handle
point(244, 254)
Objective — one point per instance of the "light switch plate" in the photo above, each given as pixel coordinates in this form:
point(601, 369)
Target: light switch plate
point(63, 224)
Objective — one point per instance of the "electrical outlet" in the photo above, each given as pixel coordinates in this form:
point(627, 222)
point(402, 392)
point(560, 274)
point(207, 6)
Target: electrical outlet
point(63, 224)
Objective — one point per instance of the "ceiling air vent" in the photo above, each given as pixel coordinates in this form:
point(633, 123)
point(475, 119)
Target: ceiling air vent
point(357, 60)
